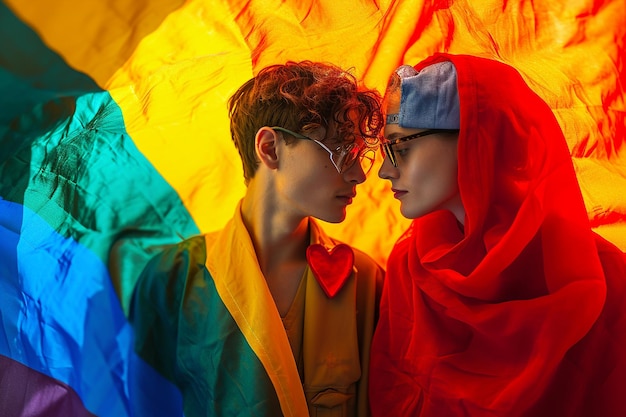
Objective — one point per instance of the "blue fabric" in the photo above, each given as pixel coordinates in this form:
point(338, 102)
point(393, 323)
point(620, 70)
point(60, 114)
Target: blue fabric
point(430, 98)
point(61, 316)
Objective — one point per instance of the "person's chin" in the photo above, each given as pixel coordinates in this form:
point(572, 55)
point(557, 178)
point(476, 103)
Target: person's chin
point(408, 213)
point(337, 217)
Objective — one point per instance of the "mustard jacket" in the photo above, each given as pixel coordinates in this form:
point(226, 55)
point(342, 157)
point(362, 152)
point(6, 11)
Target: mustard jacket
point(204, 317)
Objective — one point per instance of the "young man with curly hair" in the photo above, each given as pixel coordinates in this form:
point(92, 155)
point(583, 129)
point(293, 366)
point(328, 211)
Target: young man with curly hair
point(270, 316)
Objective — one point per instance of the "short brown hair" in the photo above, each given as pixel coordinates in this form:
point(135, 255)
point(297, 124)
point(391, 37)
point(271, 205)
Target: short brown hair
point(302, 96)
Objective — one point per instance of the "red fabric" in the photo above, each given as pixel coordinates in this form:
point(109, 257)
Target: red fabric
point(331, 268)
point(519, 312)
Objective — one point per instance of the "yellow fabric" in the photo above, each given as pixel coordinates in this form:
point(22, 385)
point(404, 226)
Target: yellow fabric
point(171, 66)
point(337, 332)
point(95, 37)
point(233, 264)
point(293, 322)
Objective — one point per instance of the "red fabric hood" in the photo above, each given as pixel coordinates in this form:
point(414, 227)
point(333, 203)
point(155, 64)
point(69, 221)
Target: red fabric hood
point(506, 315)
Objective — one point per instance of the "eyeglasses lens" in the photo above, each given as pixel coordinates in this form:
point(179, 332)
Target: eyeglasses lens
point(387, 151)
point(367, 158)
point(346, 156)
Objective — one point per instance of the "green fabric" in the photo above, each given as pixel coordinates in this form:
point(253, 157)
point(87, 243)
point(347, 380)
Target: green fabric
point(32, 74)
point(66, 155)
point(87, 179)
point(184, 331)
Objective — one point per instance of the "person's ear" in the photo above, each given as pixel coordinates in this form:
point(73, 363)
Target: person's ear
point(265, 144)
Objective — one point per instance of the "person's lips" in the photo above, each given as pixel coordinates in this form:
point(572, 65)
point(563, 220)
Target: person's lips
point(398, 193)
point(346, 198)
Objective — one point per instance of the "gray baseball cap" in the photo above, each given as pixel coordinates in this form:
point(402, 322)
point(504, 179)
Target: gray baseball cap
point(430, 98)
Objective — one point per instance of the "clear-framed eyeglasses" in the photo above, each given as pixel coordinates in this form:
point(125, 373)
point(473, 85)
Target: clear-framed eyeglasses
point(387, 145)
point(344, 155)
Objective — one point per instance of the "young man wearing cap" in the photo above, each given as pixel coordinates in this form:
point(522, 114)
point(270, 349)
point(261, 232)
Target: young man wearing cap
point(499, 300)
point(270, 316)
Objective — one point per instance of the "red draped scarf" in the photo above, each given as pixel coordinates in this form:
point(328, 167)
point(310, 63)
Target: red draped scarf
point(518, 312)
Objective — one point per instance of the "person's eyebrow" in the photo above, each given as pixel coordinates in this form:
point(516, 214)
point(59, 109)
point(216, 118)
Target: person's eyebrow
point(395, 135)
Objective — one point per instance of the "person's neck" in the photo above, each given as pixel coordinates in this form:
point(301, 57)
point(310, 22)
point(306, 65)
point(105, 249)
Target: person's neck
point(277, 236)
point(455, 205)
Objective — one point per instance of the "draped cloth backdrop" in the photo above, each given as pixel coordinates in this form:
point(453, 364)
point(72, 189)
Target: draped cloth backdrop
point(114, 141)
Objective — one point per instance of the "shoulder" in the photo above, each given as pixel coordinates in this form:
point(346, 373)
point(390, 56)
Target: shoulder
point(184, 254)
point(173, 265)
point(169, 276)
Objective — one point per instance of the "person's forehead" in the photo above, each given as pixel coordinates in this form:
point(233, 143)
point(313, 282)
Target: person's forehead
point(392, 106)
point(394, 131)
point(391, 103)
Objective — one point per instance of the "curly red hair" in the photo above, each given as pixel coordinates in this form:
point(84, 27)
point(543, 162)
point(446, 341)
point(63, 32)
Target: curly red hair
point(302, 96)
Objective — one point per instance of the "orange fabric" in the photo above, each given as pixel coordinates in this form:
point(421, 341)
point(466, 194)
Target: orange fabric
point(171, 65)
point(517, 312)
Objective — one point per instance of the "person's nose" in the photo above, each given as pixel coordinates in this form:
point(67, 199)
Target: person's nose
point(387, 171)
point(354, 174)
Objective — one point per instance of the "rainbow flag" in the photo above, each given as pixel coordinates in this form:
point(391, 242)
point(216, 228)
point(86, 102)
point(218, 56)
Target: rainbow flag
point(114, 141)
